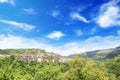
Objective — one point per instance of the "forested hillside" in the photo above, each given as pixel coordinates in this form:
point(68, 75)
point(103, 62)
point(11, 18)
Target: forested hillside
point(102, 54)
point(37, 64)
point(39, 55)
point(11, 68)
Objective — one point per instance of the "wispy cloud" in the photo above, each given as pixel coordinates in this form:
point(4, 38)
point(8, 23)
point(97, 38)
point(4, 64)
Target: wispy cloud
point(55, 35)
point(23, 26)
point(55, 13)
point(77, 16)
point(29, 11)
point(93, 30)
point(78, 32)
point(109, 14)
point(8, 1)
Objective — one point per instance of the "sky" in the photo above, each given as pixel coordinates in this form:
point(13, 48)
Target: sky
point(61, 26)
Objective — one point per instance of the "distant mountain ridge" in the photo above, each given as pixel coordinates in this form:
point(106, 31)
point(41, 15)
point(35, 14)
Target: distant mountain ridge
point(43, 56)
point(101, 54)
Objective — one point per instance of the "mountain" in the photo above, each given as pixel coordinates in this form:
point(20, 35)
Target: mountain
point(39, 55)
point(100, 54)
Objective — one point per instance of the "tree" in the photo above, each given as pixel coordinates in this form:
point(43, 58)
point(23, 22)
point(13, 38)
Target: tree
point(84, 69)
point(114, 66)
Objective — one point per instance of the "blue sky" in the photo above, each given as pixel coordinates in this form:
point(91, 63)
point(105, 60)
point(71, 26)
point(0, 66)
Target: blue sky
point(60, 26)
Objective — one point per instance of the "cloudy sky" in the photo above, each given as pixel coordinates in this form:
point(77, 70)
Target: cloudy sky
point(61, 26)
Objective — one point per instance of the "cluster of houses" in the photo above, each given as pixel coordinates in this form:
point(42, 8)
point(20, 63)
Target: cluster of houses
point(43, 57)
point(40, 57)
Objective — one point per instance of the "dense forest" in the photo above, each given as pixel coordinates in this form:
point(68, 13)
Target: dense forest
point(78, 68)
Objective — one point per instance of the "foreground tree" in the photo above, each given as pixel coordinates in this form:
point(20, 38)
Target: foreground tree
point(85, 69)
point(114, 66)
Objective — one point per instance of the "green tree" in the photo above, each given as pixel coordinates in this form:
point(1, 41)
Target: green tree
point(85, 69)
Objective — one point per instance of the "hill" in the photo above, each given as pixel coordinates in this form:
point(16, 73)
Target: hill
point(33, 55)
point(100, 54)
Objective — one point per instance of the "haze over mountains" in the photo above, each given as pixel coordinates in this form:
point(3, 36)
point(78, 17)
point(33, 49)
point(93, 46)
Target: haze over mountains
point(104, 53)
point(43, 56)
point(100, 54)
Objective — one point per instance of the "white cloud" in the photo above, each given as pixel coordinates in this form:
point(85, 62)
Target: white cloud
point(11, 41)
point(92, 43)
point(77, 16)
point(78, 32)
point(23, 26)
point(2, 1)
point(55, 35)
point(29, 11)
point(109, 14)
point(55, 13)
point(8, 1)
point(69, 48)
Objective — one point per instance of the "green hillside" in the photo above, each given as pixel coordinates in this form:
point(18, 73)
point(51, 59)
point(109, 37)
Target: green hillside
point(21, 51)
point(102, 54)
point(37, 64)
